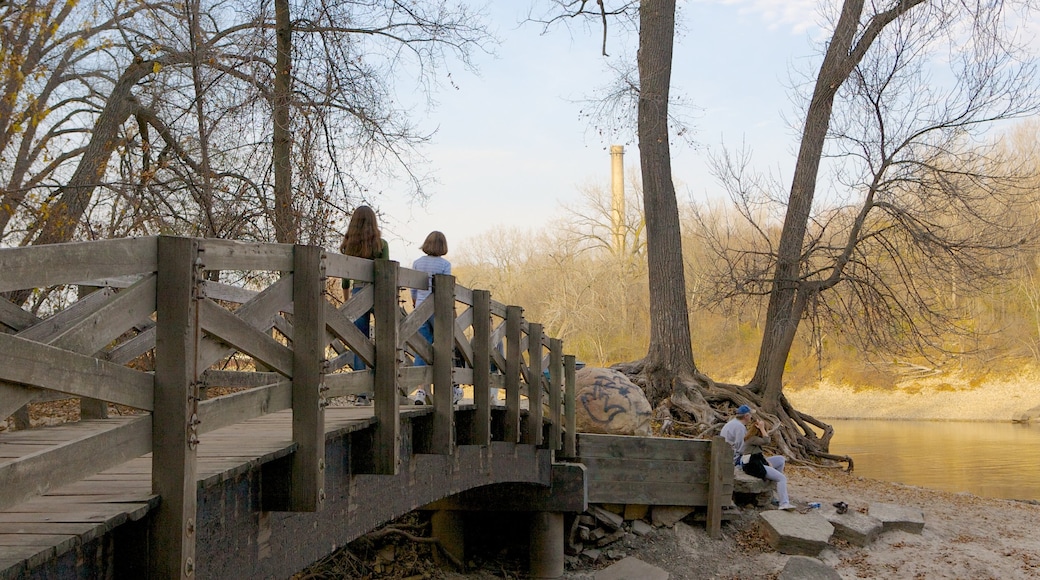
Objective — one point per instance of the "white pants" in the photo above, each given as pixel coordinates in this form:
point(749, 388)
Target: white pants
point(776, 473)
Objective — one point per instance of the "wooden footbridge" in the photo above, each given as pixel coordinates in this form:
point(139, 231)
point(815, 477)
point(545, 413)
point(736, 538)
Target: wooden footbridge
point(213, 440)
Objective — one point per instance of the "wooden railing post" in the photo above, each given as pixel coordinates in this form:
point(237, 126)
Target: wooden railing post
point(570, 440)
point(307, 483)
point(514, 319)
point(482, 366)
point(443, 440)
point(387, 458)
point(555, 386)
point(534, 388)
point(719, 463)
point(174, 420)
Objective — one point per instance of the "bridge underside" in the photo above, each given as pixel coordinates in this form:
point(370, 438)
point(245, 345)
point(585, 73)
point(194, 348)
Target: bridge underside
point(239, 539)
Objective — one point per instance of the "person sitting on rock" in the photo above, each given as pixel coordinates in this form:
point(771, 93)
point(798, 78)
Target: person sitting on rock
point(746, 444)
point(758, 466)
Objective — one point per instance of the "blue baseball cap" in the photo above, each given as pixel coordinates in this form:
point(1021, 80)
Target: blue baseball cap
point(743, 410)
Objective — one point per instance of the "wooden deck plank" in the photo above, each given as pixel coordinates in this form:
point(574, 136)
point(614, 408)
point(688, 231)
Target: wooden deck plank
point(62, 433)
point(37, 540)
point(56, 505)
point(92, 516)
point(100, 444)
point(106, 476)
point(88, 508)
point(85, 487)
point(65, 499)
point(14, 559)
point(80, 529)
point(45, 546)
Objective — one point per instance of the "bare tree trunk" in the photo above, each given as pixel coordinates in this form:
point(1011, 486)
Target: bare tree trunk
point(788, 297)
point(74, 197)
point(670, 356)
point(205, 188)
point(286, 229)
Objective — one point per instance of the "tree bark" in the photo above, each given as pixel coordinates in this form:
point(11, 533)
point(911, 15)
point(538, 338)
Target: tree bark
point(285, 226)
point(60, 222)
point(670, 356)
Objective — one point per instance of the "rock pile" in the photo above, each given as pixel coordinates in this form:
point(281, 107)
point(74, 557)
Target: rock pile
point(605, 530)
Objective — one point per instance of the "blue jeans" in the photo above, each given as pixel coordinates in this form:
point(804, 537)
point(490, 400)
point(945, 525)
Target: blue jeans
point(364, 324)
point(426, 330)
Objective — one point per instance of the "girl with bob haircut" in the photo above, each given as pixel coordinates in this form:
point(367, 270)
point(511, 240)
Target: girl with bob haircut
point(435, 247)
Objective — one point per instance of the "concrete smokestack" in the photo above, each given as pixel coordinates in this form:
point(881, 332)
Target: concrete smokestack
point(617, 200)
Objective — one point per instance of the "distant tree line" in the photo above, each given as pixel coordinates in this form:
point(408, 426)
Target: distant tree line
point(568, 275)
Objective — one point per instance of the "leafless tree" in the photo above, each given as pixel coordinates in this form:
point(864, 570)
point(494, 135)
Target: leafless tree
point(183, 94)
point(668, 371)
point(929, 204)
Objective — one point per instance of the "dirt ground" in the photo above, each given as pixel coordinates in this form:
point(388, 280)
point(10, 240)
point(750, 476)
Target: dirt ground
point(965, 537)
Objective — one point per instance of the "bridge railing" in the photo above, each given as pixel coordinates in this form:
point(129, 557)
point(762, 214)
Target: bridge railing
point(171, 318)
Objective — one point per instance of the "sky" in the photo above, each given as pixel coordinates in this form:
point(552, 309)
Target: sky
point(511, 145)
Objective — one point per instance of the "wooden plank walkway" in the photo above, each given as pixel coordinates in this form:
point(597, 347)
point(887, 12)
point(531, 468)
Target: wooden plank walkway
point(47, 526)
point(167, 326)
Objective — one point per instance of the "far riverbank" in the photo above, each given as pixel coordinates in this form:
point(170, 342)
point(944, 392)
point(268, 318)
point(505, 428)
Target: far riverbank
point(932, 399)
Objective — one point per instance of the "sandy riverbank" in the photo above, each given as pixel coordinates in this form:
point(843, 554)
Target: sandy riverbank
point(964, 537)
point(941, 399)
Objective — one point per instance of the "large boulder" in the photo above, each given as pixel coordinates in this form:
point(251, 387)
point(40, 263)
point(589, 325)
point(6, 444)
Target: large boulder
point(609, 403)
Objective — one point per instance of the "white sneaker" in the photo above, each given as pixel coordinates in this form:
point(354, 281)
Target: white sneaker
point(419, 397)
point(456, 394)
point(786, 507)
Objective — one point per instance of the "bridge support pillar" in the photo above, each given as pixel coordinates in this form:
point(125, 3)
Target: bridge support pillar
point(448, 528)
point(546, 545)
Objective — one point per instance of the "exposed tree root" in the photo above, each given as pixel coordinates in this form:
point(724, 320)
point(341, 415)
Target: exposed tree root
point(418, 539)
point(698, 408)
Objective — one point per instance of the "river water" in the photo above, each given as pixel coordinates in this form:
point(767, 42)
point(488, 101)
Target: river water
point(1000, 460)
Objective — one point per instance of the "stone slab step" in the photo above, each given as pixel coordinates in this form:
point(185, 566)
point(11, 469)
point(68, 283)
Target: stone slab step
point(794, 533)
point(898, 517)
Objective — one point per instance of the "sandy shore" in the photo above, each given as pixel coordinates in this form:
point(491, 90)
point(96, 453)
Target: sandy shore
point(941, 399)
point(964, 537)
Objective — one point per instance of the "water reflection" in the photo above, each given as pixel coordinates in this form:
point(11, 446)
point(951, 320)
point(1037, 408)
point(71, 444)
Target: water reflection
point(987, 459)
